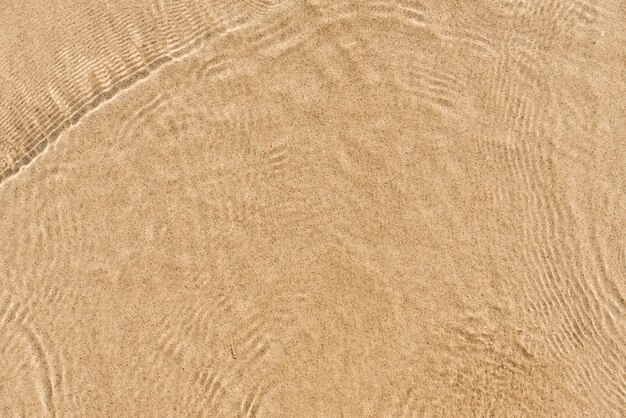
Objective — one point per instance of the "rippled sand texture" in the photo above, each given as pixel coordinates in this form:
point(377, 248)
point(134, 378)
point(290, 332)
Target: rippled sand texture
point(313, 208)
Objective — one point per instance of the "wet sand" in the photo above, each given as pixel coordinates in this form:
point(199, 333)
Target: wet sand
point(313, 208)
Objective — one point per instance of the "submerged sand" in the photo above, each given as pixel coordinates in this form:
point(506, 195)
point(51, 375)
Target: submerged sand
point(313, 208)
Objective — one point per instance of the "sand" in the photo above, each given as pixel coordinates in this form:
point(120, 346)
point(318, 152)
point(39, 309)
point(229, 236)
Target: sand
point(313, 208)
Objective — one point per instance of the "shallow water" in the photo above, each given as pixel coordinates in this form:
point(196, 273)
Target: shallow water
point(312, 208)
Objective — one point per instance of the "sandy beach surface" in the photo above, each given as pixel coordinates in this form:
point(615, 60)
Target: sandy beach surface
point(313, 208)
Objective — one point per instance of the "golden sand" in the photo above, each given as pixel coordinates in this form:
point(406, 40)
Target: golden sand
point(311, 208)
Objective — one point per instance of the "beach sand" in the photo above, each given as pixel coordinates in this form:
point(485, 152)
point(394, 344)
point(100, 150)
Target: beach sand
point(313, 208)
